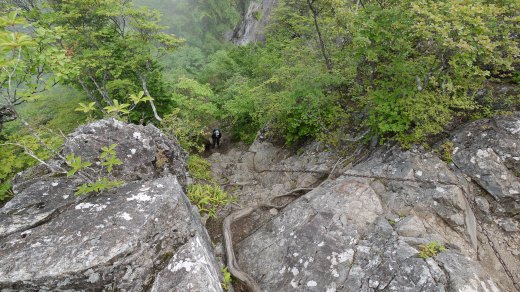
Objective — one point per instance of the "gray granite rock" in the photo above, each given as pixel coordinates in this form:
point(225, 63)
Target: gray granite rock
point(338, 237)
point(144, 235)
point(489, 152)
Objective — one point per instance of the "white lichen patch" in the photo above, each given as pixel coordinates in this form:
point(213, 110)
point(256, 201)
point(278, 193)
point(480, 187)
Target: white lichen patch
point(515, 129)
point(142, 197)
point(346, 256)
point(36, 244)
point(137, 135)
point(418, 173)
point(133, 151)
point(65, 197)
point(312, 284)
point(483, 153)
point(373, 283)
point(126, 216)
point(440, 190)
point(186, 265)
point(95, 207)
point(295, 271)
point(294, 283)
point(83, 206)
point(334, 273)
point(54, 184)
point(455, 150)
point(45, 194)
point(321, 244)
point(160, 186)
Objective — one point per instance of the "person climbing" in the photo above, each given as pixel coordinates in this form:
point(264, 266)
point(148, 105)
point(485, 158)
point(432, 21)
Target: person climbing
point(215, 136)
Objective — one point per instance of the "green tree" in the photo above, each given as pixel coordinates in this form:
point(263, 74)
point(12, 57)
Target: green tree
point(115, 47)
point(421, 62)
point(29, 54)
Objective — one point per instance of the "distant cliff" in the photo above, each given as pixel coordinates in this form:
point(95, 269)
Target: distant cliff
point(253, 21)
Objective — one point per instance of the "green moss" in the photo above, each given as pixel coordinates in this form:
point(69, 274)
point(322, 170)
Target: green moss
point(447, 151)
point(257, 15)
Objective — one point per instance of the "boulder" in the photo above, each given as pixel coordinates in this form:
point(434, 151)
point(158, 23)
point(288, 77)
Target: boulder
point(144, 235)
point(364, 231)
point(488, 151)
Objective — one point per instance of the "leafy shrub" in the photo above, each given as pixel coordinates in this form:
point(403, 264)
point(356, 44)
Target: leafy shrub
point(5, 191)
point(199, 168)
point(195, 110)
point(208, 198)
point(431, 249)
point(108, 159)
point(189, 133)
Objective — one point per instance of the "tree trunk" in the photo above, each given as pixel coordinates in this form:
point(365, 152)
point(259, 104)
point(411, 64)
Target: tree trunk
point(328, 62)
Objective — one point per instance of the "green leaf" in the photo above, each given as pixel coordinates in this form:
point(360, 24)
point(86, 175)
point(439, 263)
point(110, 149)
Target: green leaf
point(110, 161)
point(117, 107)
point(85, 108)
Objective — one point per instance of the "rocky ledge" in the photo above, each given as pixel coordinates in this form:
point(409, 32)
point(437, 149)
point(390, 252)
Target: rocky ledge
point(365, 230)
point(144, 235)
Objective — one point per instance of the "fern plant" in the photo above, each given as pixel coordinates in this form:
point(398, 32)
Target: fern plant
point(208, 198)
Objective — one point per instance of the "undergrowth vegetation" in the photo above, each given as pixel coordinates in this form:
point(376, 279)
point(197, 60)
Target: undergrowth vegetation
point(430, 250)
point(205, 193)
point(402, 71)
point(208, 198)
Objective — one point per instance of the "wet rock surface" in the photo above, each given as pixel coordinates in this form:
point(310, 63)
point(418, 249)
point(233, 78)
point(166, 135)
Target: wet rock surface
point(253, 22)
point(364, 230)
point(144, 235)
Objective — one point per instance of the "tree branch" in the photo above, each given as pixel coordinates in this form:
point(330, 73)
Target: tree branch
point(145, 88)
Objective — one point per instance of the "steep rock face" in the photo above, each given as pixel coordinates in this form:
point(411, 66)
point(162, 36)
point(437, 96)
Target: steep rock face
point(251, 27)
point(489, 152)
point(143, 235)
point(363, 231)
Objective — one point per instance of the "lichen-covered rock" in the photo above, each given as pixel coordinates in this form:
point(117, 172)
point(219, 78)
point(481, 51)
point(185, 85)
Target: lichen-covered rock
point(146, 153)
point(489, 152)
point(143, 235)
point(364, 231)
